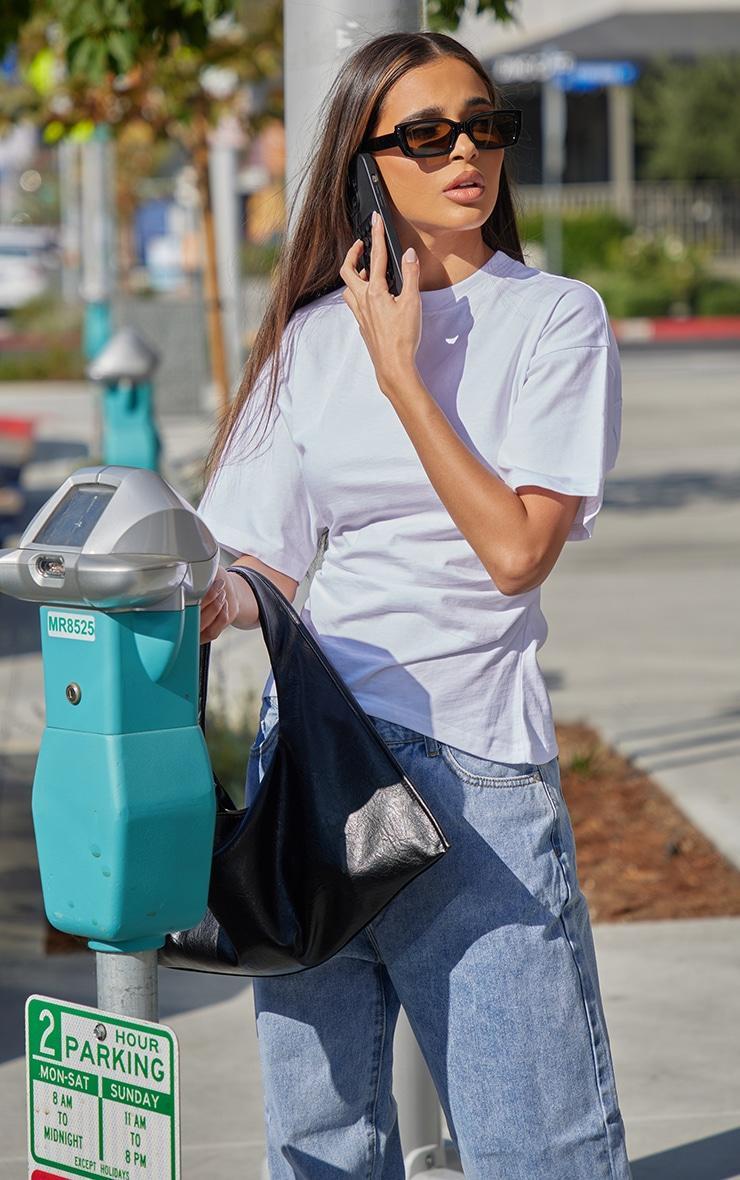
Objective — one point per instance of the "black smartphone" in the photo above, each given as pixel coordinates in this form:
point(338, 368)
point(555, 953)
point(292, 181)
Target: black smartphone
point(368, 193)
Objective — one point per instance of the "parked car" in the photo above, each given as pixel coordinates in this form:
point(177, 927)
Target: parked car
point(28, 257)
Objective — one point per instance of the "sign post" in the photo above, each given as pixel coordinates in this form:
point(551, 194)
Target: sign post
point(103, 1094)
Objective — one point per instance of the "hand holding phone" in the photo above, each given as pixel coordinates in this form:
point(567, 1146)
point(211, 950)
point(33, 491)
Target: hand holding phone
point(368, 193)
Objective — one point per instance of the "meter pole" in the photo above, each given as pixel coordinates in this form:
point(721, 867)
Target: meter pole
point(128, 983)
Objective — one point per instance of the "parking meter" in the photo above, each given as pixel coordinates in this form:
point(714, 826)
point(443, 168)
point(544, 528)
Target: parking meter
point(125, 367)
point(123, 803)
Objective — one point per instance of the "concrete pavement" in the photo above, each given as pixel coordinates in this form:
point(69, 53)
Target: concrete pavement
point(644, 631)
point(672, 1007)
point(642, 645)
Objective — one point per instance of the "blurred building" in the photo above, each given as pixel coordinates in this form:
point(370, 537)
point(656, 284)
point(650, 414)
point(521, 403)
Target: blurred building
point(618, 39)
point(262, 185)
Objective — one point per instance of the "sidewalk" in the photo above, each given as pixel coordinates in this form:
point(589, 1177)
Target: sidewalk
point(642, 646)
point(644, 631)
point(672, 1030)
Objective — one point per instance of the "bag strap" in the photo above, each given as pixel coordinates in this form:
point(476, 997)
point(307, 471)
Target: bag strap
point(205, 659)
point(299, 666)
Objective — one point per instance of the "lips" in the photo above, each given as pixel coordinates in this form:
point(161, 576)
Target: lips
point(470, 176)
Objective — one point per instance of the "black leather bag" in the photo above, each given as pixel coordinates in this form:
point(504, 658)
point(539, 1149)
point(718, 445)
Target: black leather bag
point(335, 831)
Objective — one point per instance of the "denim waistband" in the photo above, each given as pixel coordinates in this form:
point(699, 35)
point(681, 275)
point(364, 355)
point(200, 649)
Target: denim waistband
point(394, 733)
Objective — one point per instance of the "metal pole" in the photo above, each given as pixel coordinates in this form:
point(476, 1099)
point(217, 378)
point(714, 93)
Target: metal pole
point(127, 983)
point(621, 148)
point(317, 40)
point(69, 213)
point(419, 1119)
point(222, 166)
point(553, 162)
point(97, 239)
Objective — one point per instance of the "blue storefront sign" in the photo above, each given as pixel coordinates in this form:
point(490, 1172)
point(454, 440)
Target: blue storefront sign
point(590, 75)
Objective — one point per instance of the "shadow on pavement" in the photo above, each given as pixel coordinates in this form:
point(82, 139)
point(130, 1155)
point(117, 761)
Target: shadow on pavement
point(19, 633)
point(72, 977)
point(670, 489)
point(50, 450)
point(713, 1158)
point(690, 742)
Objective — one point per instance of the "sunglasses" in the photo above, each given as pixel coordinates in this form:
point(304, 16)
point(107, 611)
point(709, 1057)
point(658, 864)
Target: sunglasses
point(420, 138)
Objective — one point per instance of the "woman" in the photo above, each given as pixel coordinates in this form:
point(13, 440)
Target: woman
point(450, 440)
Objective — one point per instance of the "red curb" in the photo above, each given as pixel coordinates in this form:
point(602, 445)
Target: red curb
point(17, 427)
point(710, 327)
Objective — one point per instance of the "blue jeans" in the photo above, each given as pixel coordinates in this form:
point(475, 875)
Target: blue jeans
point(490, 952)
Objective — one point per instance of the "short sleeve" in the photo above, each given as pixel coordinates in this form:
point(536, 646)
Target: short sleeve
point(256, 501)
point(565, 423)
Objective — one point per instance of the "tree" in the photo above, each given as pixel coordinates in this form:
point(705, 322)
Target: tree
point(688, 119)
point(174, 65)
point(444, 15)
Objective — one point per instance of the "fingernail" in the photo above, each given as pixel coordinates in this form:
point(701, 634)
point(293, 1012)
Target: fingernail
point(376, 217)
point(410, 254)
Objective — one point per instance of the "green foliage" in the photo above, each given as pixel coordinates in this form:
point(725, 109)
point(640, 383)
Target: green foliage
point(637, 274)
point(56, 363)
point(229, 741)
point(47, 314)
point(53, 346)
point(167, 62)
point(107, 35)
point(110, 37)
point(626, 296)
point(587, 237)
point(444, 15)
point(687, 119)
point(647, 275)
point(12, 16)
point(718, 297)
point(259, 258)
point(582, 763)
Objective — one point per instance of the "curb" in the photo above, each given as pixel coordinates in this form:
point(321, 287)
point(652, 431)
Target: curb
point(665, 329)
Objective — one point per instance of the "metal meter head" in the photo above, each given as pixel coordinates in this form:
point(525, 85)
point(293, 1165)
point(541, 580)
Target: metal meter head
point(123, 803)
point(114, 538)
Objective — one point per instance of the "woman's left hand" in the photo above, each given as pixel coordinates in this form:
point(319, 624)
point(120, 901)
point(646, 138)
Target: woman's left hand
point(390, 324)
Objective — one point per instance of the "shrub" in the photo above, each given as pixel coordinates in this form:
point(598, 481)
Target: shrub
point(47, 314)
point(718, 297)
point(229, 740)
point(50, 364)
point(626, 296)
point(260, 258)
point(587, 237)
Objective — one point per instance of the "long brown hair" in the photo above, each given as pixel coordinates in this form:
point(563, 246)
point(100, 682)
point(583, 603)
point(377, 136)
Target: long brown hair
point(310, 257)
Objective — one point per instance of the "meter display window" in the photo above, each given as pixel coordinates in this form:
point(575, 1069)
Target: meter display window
point(75, 517)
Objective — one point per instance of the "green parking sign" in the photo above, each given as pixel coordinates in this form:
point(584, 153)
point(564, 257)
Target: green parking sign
point(103, 1093)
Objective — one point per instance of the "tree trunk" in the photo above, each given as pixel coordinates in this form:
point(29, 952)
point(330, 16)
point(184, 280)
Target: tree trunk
point(214, 322)
point(126, 251)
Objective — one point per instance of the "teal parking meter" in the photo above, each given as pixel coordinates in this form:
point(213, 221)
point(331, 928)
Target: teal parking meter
point(125, 367)
point(123, 803)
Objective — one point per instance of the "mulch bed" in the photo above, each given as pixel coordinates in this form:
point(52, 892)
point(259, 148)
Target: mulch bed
point(638, 856)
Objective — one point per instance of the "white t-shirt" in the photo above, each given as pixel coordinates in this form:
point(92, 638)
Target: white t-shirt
point(526, 369)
